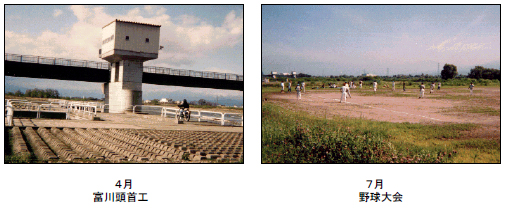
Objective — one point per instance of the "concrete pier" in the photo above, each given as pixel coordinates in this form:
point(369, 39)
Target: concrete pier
point(125, 87)
point(126, 45)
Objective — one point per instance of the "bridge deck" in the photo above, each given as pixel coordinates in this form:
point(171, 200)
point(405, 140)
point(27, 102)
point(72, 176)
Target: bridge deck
point(89, 71)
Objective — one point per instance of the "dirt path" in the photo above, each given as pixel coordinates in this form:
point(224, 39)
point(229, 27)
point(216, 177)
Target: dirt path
point(395, 109)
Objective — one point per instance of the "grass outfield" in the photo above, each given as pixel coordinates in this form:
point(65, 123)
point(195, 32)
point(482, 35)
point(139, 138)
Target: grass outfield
point(294, 137)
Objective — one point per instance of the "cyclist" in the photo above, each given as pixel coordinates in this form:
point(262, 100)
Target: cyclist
point(185, 106)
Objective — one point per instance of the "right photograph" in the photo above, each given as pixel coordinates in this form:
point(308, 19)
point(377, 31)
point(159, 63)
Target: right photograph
point(380, 84)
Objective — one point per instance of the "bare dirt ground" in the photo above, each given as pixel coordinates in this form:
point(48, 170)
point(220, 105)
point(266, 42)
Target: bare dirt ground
point(440, 107)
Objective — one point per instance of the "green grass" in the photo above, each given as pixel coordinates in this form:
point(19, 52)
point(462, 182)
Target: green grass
point(484, 110)
point(295, 137)
point(474, 109)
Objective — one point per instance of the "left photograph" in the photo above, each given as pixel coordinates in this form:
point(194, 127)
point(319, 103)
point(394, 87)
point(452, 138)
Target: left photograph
point(124, 84)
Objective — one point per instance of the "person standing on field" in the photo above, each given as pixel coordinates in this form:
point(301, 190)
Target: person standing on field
point(374, 86)
point(403, 86)
point(393, 85)
point(471, 88)
point(282, 85)
point(432, 87)
point(348, 90)
point(439, 85)
point(360, 84)
point(303, 86)
point(298, 92)
point(344, 93)
point(421, 89)
point(289, 86)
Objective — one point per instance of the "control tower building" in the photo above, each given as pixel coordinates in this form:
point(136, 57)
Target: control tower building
point(126, 45)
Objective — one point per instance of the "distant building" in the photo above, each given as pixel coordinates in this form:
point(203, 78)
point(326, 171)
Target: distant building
point(147, 101)
point(293, 74)
point(165, 100)
point(369, 75)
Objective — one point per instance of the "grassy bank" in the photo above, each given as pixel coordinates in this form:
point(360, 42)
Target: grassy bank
point(295, 137)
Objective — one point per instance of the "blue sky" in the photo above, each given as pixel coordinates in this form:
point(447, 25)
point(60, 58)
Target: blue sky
point(350, 39)
point(195, 37)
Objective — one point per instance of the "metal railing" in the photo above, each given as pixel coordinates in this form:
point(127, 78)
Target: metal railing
point(9, 114)
point(84, 109)
point(56, 61)
point(209, 116)
point(191, 73)
point(106, 66)
point(33, 106)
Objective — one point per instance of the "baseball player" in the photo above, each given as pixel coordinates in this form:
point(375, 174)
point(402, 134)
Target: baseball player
point(298, 92)
point(421, 89)
point(344, 93)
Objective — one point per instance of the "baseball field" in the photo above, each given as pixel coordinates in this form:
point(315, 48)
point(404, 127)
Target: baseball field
point(449, 125)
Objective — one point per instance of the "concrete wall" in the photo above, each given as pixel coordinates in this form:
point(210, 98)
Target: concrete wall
point(137, 37)
point(121, 100)
point(126, 92)
point(133, 72)
point(107, 32)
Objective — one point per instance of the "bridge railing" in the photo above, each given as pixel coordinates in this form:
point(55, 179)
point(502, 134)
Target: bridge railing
point(106, 66)
point(56, 61)
point(191, 73)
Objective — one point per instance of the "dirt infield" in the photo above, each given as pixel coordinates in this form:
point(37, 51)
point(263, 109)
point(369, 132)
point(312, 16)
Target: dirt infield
point(448, 105)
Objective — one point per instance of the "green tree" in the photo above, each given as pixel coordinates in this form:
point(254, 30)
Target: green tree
point(18, 93)
point(450, 71)
point(202, 102)
point(480, 72)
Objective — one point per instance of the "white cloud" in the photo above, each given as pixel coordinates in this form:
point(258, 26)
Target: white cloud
point(466, 45)
point(57, 12)
point(80, 11)
point(185, 43)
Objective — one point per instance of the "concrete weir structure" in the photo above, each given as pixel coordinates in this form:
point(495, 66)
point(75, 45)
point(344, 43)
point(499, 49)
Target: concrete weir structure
point(126, 46)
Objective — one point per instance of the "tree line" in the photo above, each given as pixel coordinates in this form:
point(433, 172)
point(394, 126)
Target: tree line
point(38, 93)
point(450, 71)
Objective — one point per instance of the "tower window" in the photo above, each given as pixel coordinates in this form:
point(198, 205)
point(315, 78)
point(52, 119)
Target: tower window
point(147, 40)
point(127, 37)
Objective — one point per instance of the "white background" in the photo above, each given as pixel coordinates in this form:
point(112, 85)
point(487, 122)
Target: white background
point(253, 184)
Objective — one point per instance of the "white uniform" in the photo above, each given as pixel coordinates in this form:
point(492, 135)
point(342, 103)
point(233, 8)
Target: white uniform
point(374, 86)
point(344, 93)
point(432, 87)
point(303, 86)
point(471, 89)
point(348, 90)
point(422, 91)
point(298, 92)
point(282, 85)
point(360, 84)
point(393, 85)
